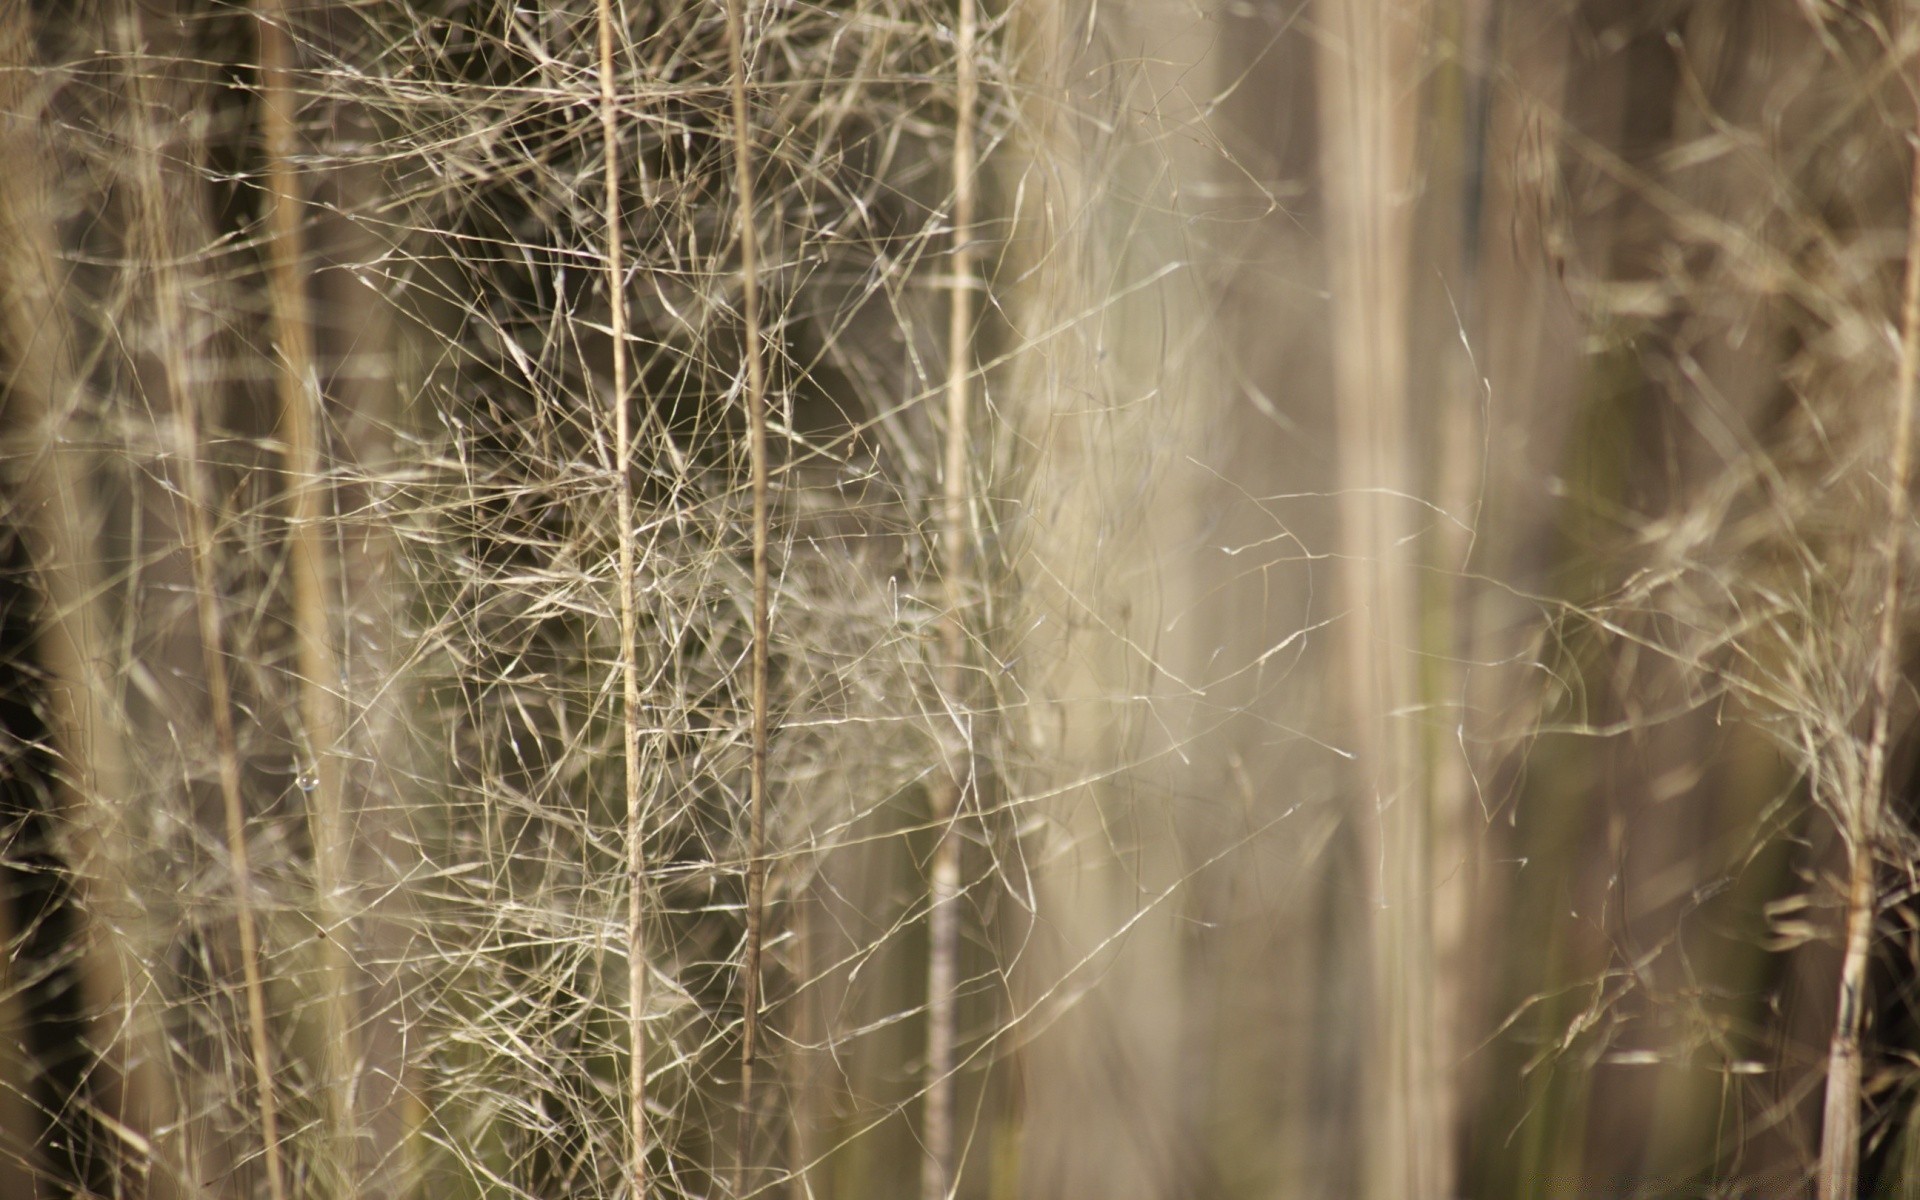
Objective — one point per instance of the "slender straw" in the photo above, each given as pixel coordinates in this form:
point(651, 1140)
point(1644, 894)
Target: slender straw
point(756, 401)
point(1840, 1123)
point(629, 645)
point(211, 614)
point(300, 417)
point(943, 913)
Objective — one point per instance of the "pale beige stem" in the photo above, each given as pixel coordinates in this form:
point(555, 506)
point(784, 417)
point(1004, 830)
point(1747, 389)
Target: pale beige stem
point(59, 520)
point(1861, 822)
point(1450, 633)
point(1368, 64)
point(756, 404)
point(950, 786)
point(169, 308)
point(301, 417)
point(629, 600)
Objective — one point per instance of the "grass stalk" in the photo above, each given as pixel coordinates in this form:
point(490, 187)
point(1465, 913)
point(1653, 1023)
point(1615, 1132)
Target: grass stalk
point(943, 909)
point(756, 403)
point(1368, 54)
point(749, 267)
point(209, 612)
point(629, 646)
point(210, 615)
point(301, 414)
point(59, 519)
point(1861, 827)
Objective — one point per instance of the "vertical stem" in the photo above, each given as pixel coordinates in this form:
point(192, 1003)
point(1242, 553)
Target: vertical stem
point(169, 306)
point(756, 401)
point(1368, 65)
point(943, 911)
point(59, 519)
point(212, 620)
point(1449, 614)
point(301, 414)
point(629, 648)
point(1860, 827)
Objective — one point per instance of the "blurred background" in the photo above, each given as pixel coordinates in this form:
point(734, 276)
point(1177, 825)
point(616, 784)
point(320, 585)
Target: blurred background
point(1329, 617)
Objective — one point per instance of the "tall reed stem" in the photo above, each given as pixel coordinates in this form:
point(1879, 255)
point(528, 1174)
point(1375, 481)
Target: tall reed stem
point(1368, 62)
point(943, 910)
point(301, 421)
point(1861, 825)
point(629, 636)
point(169, 306)
point(58, 518)
point(756, 402)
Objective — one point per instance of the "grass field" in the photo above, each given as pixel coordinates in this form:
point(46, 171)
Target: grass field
point(981, 598)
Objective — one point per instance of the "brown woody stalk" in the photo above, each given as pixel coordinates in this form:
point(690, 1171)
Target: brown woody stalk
point(1861, 825)
point(943, 911)
point(629, 646)
point(301, 424)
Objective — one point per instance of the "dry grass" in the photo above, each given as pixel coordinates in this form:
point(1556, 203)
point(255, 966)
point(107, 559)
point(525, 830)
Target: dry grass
point(695, 600)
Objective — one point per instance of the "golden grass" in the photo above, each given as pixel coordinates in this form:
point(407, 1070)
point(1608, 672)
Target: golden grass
point(643, 600)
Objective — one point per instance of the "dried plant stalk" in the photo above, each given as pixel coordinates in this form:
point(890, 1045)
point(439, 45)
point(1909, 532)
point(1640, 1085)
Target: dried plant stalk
point(1861, 825)
point(209, 611)
point(302, 414)
point(629, 647)
point(58, 518)
point(951, 785)
point(756, 406)
point(1368, 118)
